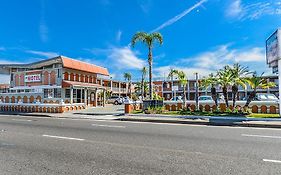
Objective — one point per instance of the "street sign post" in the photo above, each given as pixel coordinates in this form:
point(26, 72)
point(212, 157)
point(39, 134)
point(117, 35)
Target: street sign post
point(273, 56)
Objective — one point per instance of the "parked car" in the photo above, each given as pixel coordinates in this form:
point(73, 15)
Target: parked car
point(177, 98)
point(205, 98)
point(115, 100)
point(264, 97)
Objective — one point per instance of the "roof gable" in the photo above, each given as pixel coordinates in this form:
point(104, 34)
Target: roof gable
point(79, 65)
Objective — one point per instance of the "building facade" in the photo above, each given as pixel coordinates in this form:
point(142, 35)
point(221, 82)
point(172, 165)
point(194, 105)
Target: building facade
point(168, 89)
point(58, 80)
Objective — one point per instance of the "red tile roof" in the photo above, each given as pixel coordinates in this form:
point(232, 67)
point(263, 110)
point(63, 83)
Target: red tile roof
point(82, 66)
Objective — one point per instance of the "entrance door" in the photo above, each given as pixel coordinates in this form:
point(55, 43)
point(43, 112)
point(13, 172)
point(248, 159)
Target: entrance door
point(92, 99)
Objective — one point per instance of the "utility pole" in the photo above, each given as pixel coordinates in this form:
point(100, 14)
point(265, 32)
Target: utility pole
point(196, 92)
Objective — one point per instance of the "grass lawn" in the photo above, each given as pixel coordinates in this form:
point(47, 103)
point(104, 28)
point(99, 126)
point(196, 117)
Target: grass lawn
point(256, 115)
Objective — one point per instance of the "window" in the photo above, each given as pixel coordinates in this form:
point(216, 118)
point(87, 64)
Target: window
point(57, 93)
point(48, 67)
point(21, 91)
point(12, 77)
point(67, 93)
point(48, 93)
point(13, 91)
point(57, 65)
point(59, 73)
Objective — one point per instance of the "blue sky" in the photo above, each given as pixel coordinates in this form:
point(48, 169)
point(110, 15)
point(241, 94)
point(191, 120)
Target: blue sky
point(199, 36)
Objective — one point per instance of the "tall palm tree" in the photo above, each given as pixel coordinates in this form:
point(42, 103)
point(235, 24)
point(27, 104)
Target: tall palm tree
point(212, 82)
point(149, 40)
point(225, 80)
point(128, 78)
point(183, 81)
point(238, 79)
point(143, 77)
point(256, 82)
point(171, 75)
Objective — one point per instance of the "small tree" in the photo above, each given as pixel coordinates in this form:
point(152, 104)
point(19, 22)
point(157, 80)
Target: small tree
point(171, 75)
point(128, 78)
point(212, 82)
point(256, 82)
point(183, 81)
point(238, 79)
point(225, 80)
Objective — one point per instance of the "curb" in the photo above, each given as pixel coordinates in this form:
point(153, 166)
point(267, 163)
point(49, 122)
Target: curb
point(207, 123)
point(164, 121)
point(27, 114)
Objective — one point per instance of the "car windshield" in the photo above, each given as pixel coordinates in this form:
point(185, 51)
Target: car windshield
point(205, 98)
point(262, 97)
point(272, 97)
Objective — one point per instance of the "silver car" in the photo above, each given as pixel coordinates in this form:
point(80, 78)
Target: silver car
point(115, 100)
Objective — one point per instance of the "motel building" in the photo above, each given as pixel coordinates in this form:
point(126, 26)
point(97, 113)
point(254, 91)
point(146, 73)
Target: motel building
point(56, 85)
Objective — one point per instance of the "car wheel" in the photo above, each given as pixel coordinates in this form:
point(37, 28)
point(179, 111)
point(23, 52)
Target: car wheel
point(116, 103)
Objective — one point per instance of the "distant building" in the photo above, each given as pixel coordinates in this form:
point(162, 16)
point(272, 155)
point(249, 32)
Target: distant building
point(164, 89)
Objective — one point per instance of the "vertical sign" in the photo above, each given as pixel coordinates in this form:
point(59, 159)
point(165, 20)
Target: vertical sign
point(273, 56)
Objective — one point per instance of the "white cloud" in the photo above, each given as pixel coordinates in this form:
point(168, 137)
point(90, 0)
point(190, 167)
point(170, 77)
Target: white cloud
point(162, 72)
point(124, 57)
point(234, 9)
point(120, 57)
point(255, 54)
point(145, 5)
point(179, 16)
point(210, 61)
point(44, 54)
point(240, 10)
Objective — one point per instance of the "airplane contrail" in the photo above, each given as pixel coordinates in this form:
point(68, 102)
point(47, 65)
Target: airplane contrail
point(179, 16)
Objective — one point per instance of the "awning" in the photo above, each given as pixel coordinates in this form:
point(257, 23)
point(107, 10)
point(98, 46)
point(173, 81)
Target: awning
point(81, 85)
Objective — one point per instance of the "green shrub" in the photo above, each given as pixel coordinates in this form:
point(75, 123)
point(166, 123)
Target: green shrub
point(154, 110)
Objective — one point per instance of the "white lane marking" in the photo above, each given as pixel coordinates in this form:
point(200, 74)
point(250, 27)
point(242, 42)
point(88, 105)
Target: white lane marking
point(270, 160)
point(22, 120)
point(109, 126)
point(261, 136)
point(62, 137)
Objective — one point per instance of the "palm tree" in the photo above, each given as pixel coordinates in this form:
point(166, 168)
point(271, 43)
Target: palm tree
point(211, 81)
point(143, 77)
point(225, 80)
point(183, 81)
point(238, 79)
point(128, 78)
point(148, 39)
point(139, 88)
point(171, 75)
point(256, 82)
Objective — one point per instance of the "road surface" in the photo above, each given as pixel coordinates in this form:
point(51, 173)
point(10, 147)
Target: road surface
point(33, 145)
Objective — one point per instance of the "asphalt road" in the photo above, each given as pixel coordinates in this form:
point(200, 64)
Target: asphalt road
point(63, 146)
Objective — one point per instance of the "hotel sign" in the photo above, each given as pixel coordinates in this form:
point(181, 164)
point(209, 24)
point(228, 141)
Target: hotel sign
point(273, 50)
point(32, 78)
